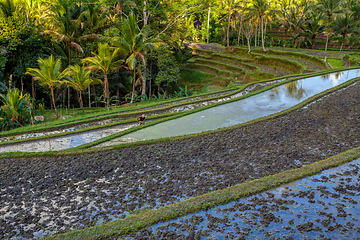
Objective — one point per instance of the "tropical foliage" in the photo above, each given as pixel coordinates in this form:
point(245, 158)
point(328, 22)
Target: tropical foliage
point(17, 109)
point(138, 47)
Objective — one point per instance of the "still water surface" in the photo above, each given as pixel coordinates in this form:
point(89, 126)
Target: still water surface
point(230, 114)
point(260, 105)
point(324, 206)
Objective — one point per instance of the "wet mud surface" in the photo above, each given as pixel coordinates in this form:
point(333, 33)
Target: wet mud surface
point(55, 194)
point(325, 206)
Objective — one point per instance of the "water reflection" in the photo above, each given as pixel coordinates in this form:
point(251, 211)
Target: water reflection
point(312, 208)
point(230, 114)
point(294, 89)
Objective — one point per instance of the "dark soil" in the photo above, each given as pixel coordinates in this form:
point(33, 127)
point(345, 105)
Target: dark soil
point(311, 208)
point(63, 192)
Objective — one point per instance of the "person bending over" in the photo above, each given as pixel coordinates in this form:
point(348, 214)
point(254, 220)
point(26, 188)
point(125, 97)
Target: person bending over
point(141, 120)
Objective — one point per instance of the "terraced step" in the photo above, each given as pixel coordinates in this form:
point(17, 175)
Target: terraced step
point(309, 62)
point(237, 63)
point(222, 66)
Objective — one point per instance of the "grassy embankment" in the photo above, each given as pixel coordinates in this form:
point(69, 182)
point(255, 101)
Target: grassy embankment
point(157, 119)
point(146, 219)
point(142, 220)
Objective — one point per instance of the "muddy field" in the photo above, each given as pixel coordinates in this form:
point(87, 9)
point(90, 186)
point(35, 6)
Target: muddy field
point(324, 206)
point(55, 194)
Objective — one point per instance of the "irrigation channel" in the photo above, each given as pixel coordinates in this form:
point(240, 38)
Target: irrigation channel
point(260, 105)
point(324, 206)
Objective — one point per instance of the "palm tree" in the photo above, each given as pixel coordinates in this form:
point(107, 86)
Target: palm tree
point(133, 44)
point(32, 8)
point(104, 61)
point(16, 106)
point(329, 7)
point(313, 27)
point(65, 26)
point(230, 6)
point(345, 26)
point(282, 17)
point(8, 7)
point(260, 9)
point(49, 75)
point(80, 80)
point(94, 16)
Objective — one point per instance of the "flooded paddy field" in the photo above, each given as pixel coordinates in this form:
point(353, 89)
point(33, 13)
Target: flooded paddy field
point(324, 206)
point(49, 143)
point(260, 105)
point(44, 195)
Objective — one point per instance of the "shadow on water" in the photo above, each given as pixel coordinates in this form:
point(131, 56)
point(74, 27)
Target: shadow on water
point(317, 207)
point(260, 105)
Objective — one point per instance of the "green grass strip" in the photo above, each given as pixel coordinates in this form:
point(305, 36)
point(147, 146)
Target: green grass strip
point(206, 201)
point(279, 114)
point(296, 55)
point(81, 148)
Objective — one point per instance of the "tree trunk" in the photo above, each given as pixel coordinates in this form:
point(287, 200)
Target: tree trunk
point(143, 80)
point(106, 90)
point(327, 40)
point(240, 26)
point(53, 101)
point(33, 87)
point(89, 96)
point(262, 34)
point(133, 91)
point(248, 41)
point(327, 35)
point(150, 80)
point(258, 35)
point(145, 16)
point(255, 33)
point(81, 102)
point(208, 24)
point(68, 97)
point(342, 43)
point(228, 30)
point(69, 65)
point(22, 83)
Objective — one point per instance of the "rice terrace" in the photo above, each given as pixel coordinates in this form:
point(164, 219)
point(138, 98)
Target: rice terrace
point(179, 119)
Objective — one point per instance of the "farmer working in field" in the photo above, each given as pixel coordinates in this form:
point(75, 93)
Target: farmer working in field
point(141, 119)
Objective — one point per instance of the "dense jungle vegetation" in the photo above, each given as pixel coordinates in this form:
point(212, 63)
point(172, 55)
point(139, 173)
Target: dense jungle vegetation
point(65, 54)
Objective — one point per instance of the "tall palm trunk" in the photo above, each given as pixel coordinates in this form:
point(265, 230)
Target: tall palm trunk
point(68, 88)
point(248, 42)
point(262, 34)
point(150, 80)
point(208, 24)
point(53, 101)
point(240, 27)
point(228, 30)
point(106, 90)
point(89, 96)
point(81, 102)
point(342, 44)
point(33, 87)
point(327, 34)
point(143, 80)
point(327, 40)
point(133, 91)
point(256, 33)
